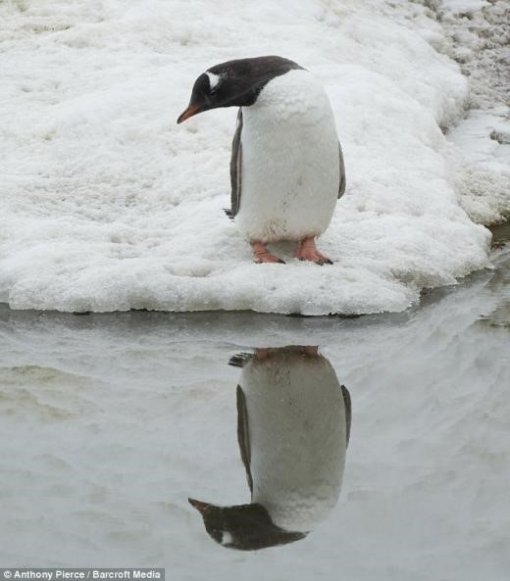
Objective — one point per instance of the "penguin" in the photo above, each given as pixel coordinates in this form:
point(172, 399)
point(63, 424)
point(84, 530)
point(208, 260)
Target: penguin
point(287, 168)
point(293, 429)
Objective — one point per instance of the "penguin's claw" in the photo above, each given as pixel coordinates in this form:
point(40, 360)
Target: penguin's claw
point(320, 260)
point(263, 256)
point(306, 250)
point(268, 259)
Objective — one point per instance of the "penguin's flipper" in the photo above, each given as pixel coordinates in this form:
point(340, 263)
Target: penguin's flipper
point(235, 168)
point(240, 360)
point(243, 436)
point(341, 185)
point(347, 404)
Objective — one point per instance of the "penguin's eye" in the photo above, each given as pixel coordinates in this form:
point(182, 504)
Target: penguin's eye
point(213, 91)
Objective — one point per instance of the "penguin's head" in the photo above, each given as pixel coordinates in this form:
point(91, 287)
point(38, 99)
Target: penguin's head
point(246, 527)
point(234, 83)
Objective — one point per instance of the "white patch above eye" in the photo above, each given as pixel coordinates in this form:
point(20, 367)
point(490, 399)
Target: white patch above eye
point(213, 79)
point(226, 538)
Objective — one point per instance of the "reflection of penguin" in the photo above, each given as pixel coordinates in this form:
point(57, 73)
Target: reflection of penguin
point(293, 429)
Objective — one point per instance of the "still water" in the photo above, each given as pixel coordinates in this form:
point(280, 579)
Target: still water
point(238, 446)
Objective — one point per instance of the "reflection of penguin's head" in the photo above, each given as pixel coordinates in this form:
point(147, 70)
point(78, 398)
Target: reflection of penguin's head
point(246, 527)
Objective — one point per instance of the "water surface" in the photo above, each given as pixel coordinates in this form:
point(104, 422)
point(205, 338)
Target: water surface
point(109, 423)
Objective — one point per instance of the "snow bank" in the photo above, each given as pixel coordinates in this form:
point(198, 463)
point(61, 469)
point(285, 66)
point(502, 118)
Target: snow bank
point(478, 34)
point(106, 204)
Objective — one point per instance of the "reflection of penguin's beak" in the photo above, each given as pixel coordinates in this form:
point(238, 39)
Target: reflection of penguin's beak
point(202, 507)
point(190, 111)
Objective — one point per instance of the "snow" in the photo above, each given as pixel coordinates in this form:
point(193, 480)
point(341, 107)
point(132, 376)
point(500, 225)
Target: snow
point(107, 204)
point(464, 5)
point(479, 41)
point(483, 142)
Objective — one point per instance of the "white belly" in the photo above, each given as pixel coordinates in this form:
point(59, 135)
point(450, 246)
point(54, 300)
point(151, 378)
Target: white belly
point(290, 164)
point(297, 432)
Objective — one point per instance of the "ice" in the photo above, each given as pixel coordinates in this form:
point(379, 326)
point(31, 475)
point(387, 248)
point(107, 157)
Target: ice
point(110, 422)
point(107, 205)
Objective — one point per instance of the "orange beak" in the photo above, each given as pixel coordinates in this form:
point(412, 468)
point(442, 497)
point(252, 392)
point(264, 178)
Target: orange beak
point(190, 111)
point(202, 507)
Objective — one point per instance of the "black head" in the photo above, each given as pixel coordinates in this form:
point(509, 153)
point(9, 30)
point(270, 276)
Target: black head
point(246, 527)
point(234, 83)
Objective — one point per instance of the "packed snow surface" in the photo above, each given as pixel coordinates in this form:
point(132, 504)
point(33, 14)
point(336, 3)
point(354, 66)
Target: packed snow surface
point(107, 204)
